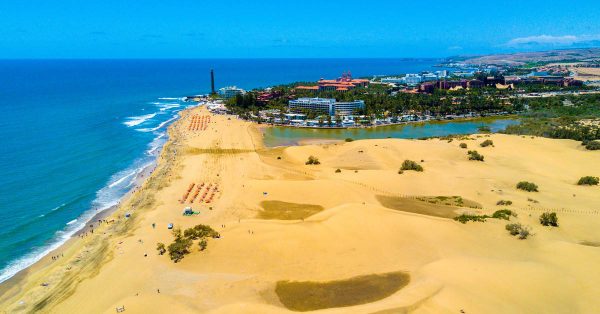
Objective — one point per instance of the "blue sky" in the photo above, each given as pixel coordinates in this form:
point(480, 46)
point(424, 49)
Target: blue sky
point(232, 29)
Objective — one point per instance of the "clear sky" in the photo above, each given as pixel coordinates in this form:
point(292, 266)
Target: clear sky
point(260, 29)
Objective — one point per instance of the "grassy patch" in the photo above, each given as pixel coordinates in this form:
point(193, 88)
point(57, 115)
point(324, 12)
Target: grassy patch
point(430, 206)
point(310, 295)
point(287, 211)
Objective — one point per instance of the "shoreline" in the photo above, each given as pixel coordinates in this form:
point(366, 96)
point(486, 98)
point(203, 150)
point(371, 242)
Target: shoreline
point(71, 244)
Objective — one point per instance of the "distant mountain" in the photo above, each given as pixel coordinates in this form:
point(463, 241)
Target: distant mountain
point(521, 58)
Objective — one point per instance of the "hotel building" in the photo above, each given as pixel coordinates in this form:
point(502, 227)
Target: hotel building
point(326, 105)
point(230, 91)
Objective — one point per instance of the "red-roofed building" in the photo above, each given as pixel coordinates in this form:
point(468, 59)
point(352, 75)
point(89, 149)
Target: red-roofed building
point(343, 83)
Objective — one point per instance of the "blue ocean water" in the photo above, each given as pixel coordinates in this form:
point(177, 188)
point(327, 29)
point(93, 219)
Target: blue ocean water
point(75, 132)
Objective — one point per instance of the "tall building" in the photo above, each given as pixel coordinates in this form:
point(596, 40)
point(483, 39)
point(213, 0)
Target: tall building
point(326, 105)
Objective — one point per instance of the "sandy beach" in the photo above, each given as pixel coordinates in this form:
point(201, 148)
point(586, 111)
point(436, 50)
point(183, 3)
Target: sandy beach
point(287, 228)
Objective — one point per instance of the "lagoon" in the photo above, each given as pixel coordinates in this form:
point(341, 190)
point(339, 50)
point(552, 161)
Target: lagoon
point(287, 136)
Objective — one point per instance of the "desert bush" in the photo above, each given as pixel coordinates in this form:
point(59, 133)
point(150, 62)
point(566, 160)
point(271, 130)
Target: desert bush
point(160, 247)
point(549, 219)
point(202, 244)
point(312, 160)
point(464, 218)
point(504, 203)
point(411, 165)
point(349, 139)
point(474, 155)
point(179, 248)
point(588, 180)
point(200, 232)
point(338, 170)
point(487, 143)
point(592, 145)
point(527, 186)
point(517, 229)
point(503, 214)
point(463, 145)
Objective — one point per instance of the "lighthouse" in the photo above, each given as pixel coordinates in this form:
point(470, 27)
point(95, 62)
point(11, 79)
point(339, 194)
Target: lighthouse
point(212, 82)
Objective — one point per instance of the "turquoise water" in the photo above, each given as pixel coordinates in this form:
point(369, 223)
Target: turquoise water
point(284, 136)
point(75, 133)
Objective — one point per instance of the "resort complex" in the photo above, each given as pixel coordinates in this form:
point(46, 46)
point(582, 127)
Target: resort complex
point(327, 106)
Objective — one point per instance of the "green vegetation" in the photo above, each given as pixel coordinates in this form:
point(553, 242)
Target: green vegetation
point(202, 244)
point(310, 295)
point(592, 145)
point(463, 145)
point(160, 247)
point(200, 232)
point(312, 160)
point(499, 214)
point(588, 180)
point(349, 139)
point(287, 211)
point(504, 214)
point(487, 143)
point(411, 165)
point(527, 186)
point(474, 155)
point(549, 219)
point(560, 117)
point(519, 230)
point(183, 241)
point(504, 203)
point(464, 218)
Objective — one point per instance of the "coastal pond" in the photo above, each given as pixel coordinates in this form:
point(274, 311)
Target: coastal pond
point(288, 136)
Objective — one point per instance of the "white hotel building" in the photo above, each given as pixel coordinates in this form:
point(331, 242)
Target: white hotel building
point(326, 105)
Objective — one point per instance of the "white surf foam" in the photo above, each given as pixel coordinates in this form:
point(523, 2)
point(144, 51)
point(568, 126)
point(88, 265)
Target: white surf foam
point(157, 127)
point(165, 107)
point(133, 121)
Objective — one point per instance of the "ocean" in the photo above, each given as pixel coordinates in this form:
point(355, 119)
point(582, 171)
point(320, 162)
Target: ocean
point(75, 133)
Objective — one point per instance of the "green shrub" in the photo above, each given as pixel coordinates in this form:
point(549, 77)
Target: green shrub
point(517, 229)
point(527, 186)
point(503, 203)
point(202, 244)
point(549, 219)
point(503, 214)
point(312, 160)
point(411, 165)
point(200, 232)
point(463, 145)
point(179, 248)
point(474, 155)
point(349, 139)
point(160, 247)
point(464, 218)
point(486, 143)
point(592, 145)
point(588, 180)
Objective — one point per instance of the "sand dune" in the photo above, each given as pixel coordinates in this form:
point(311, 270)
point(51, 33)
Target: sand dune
point(475, 267)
